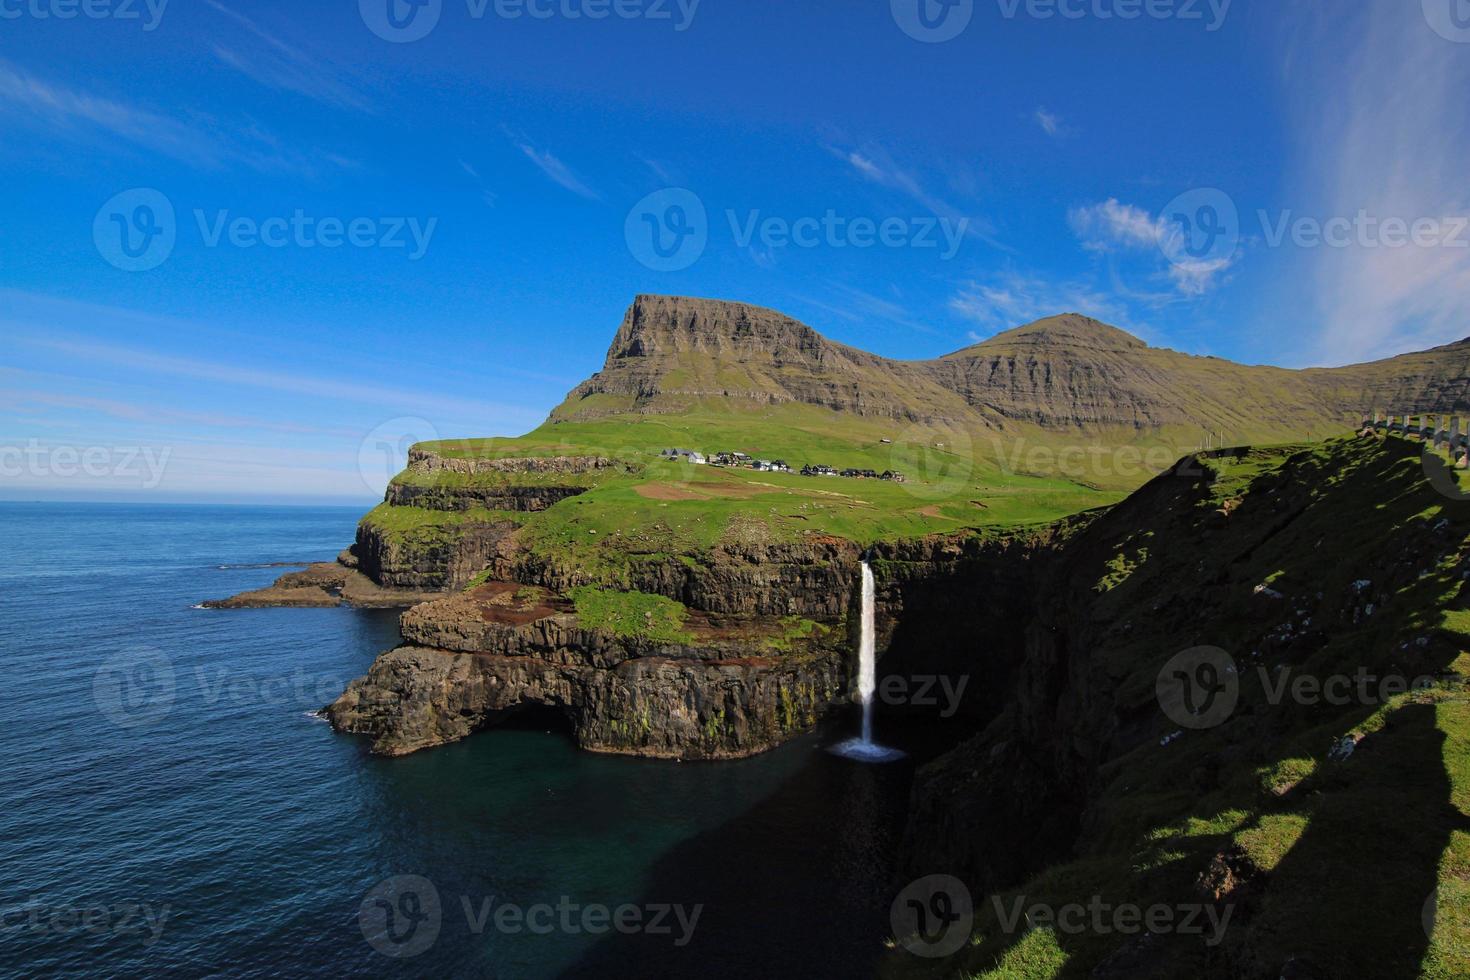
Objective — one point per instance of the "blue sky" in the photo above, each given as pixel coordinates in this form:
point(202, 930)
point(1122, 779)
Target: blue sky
point(344, 242)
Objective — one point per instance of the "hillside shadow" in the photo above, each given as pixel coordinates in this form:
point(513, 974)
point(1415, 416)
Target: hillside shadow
point(1348, 898)
point(785, 890)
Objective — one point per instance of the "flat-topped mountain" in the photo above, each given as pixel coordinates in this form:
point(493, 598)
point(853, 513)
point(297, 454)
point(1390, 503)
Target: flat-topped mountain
point(1061, 374)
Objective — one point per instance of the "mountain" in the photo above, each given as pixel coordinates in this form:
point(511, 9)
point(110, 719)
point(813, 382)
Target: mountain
point(1063, 375)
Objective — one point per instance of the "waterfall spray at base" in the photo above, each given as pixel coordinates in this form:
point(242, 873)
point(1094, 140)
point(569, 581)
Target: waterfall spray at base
point(864, 749)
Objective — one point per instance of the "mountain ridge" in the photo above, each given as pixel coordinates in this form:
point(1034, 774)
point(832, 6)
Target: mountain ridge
point(1065, 373)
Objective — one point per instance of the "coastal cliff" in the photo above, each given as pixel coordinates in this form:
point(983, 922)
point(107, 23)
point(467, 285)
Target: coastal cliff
point(1315, 562)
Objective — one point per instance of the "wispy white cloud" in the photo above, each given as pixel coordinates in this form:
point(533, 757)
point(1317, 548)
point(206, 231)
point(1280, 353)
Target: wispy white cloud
point(1014, 298)
point(1111, 223)
point(1050, 122)
point(875, 164)
point(299, 384)
point(72, 113)
point(1115, 226)
point(552, 167)
point(1378, 104)
point(856, 305)
point(276, 64)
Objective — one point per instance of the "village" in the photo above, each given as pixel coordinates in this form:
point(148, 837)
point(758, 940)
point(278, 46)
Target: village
point(744, 461)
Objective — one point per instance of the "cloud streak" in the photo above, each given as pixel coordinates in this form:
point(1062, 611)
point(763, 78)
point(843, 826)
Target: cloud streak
point(552, 167)
point(284, 67)
point(1380, 127)
point(72, 113)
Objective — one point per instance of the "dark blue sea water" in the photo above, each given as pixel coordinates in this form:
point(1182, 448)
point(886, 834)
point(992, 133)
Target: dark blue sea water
point(170, 807)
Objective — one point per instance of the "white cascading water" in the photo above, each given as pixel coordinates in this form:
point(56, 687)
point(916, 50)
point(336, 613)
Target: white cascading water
point(867, 653)
point(864, 749)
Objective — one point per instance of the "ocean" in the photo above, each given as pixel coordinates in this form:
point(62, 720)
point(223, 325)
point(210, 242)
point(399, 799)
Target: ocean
point(171, 806)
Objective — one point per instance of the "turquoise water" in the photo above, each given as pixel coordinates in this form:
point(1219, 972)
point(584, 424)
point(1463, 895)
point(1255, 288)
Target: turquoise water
point(170, 806)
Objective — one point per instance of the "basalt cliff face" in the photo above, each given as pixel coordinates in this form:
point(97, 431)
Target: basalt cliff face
point(476, 658)
point(767, 652)
point(1064, 374)
point(769, 648)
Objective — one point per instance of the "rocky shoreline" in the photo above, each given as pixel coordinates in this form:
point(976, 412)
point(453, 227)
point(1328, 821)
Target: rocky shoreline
point(324, 585)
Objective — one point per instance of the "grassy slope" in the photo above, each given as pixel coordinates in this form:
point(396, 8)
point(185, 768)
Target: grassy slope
point(653, 506)
point(1339, 857)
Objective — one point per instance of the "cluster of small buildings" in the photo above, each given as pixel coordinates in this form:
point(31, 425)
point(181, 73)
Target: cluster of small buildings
point(852, 474)
point(744, 461)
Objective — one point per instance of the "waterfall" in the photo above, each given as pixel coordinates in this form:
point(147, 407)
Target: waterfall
point(867, 653)
point(864, 749)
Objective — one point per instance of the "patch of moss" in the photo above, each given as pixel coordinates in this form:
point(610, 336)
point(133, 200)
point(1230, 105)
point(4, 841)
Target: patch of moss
point(632, 615)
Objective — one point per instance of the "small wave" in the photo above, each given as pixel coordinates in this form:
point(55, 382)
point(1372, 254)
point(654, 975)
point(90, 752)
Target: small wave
point(317, 716)
point(199, 605)
point(267, 564)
